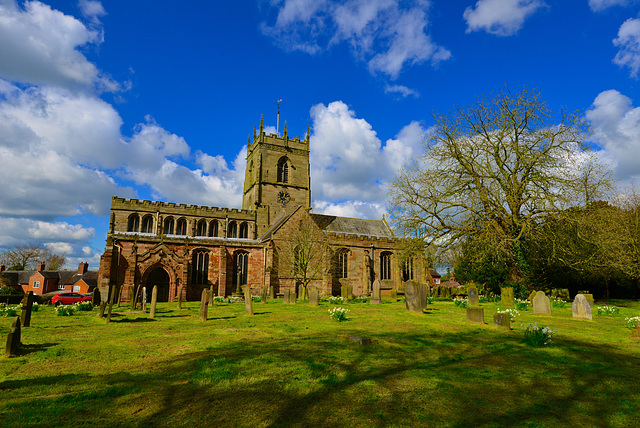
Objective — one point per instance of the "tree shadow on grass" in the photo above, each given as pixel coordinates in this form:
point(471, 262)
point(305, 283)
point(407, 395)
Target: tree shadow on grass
point(30, 349)
point(134, 320)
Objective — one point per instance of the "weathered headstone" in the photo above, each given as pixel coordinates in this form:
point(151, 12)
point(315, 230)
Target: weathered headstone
point(506, 296)
point(413, 297)
point(154, 301)
point(95, 297)
point(248, 300)
point(211, 294)
point(532, 295)
point(581, 308)
point(27, 305)
point(475, 314)
point(314, 296)
point(263, 295)
point(180, 297)
point(472, 294)
point(424, 295)
point(375, 300)
point(287, 294)
point(292, 297)
point(502, 320)
point(541, 304)
point(635, 333)
point(12, 344)
point(394, 295)
point(272, 293)
point(589, 298)
point(103, 307)
point(16, 324)
point(204, 305)
point(144, 299)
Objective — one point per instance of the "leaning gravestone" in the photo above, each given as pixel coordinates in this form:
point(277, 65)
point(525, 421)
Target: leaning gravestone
point(211, 294)
point(541, 304)
point(475, 314)
point(154, 301)
point(248, 300)
point(502, 320)
point(375, 299)
point(314, 296)
point(506, 296)
point(27, 305)
point(263, 295)
point(144, 299)
point(272, 293)
point(413, 297)
point(287, 293)
point(424, 295)
point(532, 295)
point(472, 293)
point(95, 297)
point(589, 298)
point(581, 308)
point(180, 297)
point(204, 305)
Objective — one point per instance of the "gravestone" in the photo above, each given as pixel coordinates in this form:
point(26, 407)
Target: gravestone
point(394, 295)
point(95, 297)
point(314, 296)
point(248, 300)
point(144, 299)
point(502, 320)
point(413, 297)
point(475, 314)
point(180, 297)
point(635, 333)
point(154, 301)
point(27, 305)
point(506, 296)
point(263, 295)
point(211, 294)
point(531, 296)
point(13, 339)
point(541, 304)
point(589, 298)
point(424, 295)
point(375, 299)
point(103, 307)
point(272, 293)
point(287, 293)
point(204, 305)
point(302, 292)
point(581, 308)
point(292, 297)
point(17, 325)
point(472, 293)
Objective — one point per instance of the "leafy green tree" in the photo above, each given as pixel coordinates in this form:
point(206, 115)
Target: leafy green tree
point(28, 256)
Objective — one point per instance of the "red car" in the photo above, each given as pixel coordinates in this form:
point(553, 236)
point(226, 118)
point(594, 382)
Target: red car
point(69, 298)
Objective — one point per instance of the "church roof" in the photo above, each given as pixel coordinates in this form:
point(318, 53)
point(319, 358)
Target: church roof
point(354, 226)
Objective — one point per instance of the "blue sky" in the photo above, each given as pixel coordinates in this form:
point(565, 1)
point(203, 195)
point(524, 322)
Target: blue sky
point(156, 100)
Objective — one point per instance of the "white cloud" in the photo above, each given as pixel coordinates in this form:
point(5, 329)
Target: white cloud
point(402, 90)
point(40, 46)
point(600, 5)
point(617, 129)
point(349, 164)
point(91, 9)
point(500, 17)
point(628, 41)
point(353, 209)
point(384, 33)
point(14, 230)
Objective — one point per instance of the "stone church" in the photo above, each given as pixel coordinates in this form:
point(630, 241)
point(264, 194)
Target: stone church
point(172, 245)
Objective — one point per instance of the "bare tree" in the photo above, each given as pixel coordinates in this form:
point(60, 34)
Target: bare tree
point(28, 256)
point(492, 172)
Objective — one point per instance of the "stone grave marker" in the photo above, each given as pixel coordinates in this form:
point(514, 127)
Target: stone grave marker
point(424, 295)
point(154, 301)
point(375, 299)
point(204, 305)
point(103, 307)
point(475, 314)
point(413, 297)
point(502, 320)
point(248, 300)
point(27, 305)
point(581, 308)
point(394, 295)
point(180, 297)
point(263, 295)
point(531, 296)
point(144, 299)
point(13, 339)
point(211, 294)
point(314, 296)
point(506, 296)
point(589, 298)
point(287, 293)
point(635, 333)
point(95, 297)
point(472, 294)
point(292, 297)
point(541, 304)
point(272, 293)
point(344, 292)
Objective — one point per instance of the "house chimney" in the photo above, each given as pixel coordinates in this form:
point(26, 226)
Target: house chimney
point(82, 268)
point(40, 267)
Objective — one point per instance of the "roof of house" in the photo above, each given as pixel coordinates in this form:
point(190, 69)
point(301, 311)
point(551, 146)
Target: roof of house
point(354, 226)
point(18, 277)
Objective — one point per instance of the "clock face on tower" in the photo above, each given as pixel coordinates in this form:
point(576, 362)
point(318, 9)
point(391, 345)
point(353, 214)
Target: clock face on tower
point(284, 197)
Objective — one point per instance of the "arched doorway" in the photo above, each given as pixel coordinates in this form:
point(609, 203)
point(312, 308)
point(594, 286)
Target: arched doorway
point(158, 277)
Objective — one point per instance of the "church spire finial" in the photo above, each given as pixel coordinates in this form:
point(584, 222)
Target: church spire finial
point(261, 123)
point(285, 129)
point(254, 133)
point(308, 135)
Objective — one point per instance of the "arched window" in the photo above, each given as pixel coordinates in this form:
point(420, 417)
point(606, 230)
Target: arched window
point(181, 227)
point(240, 267)
point(147, 224)
point(343, 263)
point(200, 268)
point(385, 265)
point(201, 230)
point(283, 170)
point(134, 223)
point(232, 232)
point(168, 225)
point(244, 230)
point(213, 228)
point(407, 269)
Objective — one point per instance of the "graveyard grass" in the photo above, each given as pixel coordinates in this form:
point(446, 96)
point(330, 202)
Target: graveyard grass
point(291, 365)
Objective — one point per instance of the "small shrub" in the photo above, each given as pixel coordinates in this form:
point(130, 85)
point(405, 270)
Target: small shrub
point(429, 300)
point(35, 307)
point(337, 300)
point(84, 306)
point(512, 313)
point(608, 311)
point(632, 321)
point(256, 298)
point(10, 311)
point(538, 336)
point(361, 299)
point(65, 310)
point(521, 304)
point(339, 314)
point(557, 302)
point(220, 299)
point(461, 302)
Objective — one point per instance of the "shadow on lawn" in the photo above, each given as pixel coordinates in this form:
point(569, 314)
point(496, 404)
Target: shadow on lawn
point(30, 349)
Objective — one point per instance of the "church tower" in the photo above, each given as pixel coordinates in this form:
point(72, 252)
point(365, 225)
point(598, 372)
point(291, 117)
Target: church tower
point(277, 174)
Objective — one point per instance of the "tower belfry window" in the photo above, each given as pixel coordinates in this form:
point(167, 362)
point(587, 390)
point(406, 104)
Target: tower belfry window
point(283, 171)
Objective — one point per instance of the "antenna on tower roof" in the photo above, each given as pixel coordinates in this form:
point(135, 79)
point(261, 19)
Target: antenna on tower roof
point(278, 121)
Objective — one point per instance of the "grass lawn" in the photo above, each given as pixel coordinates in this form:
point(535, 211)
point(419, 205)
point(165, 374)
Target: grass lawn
point(291, 365)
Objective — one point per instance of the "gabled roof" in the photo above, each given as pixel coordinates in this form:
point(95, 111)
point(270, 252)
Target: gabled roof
point(353, 226)
point(18, 277)
point(280, 221)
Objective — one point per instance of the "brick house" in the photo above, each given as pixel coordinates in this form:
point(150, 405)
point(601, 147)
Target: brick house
point(43, 281)
point(172, 245)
